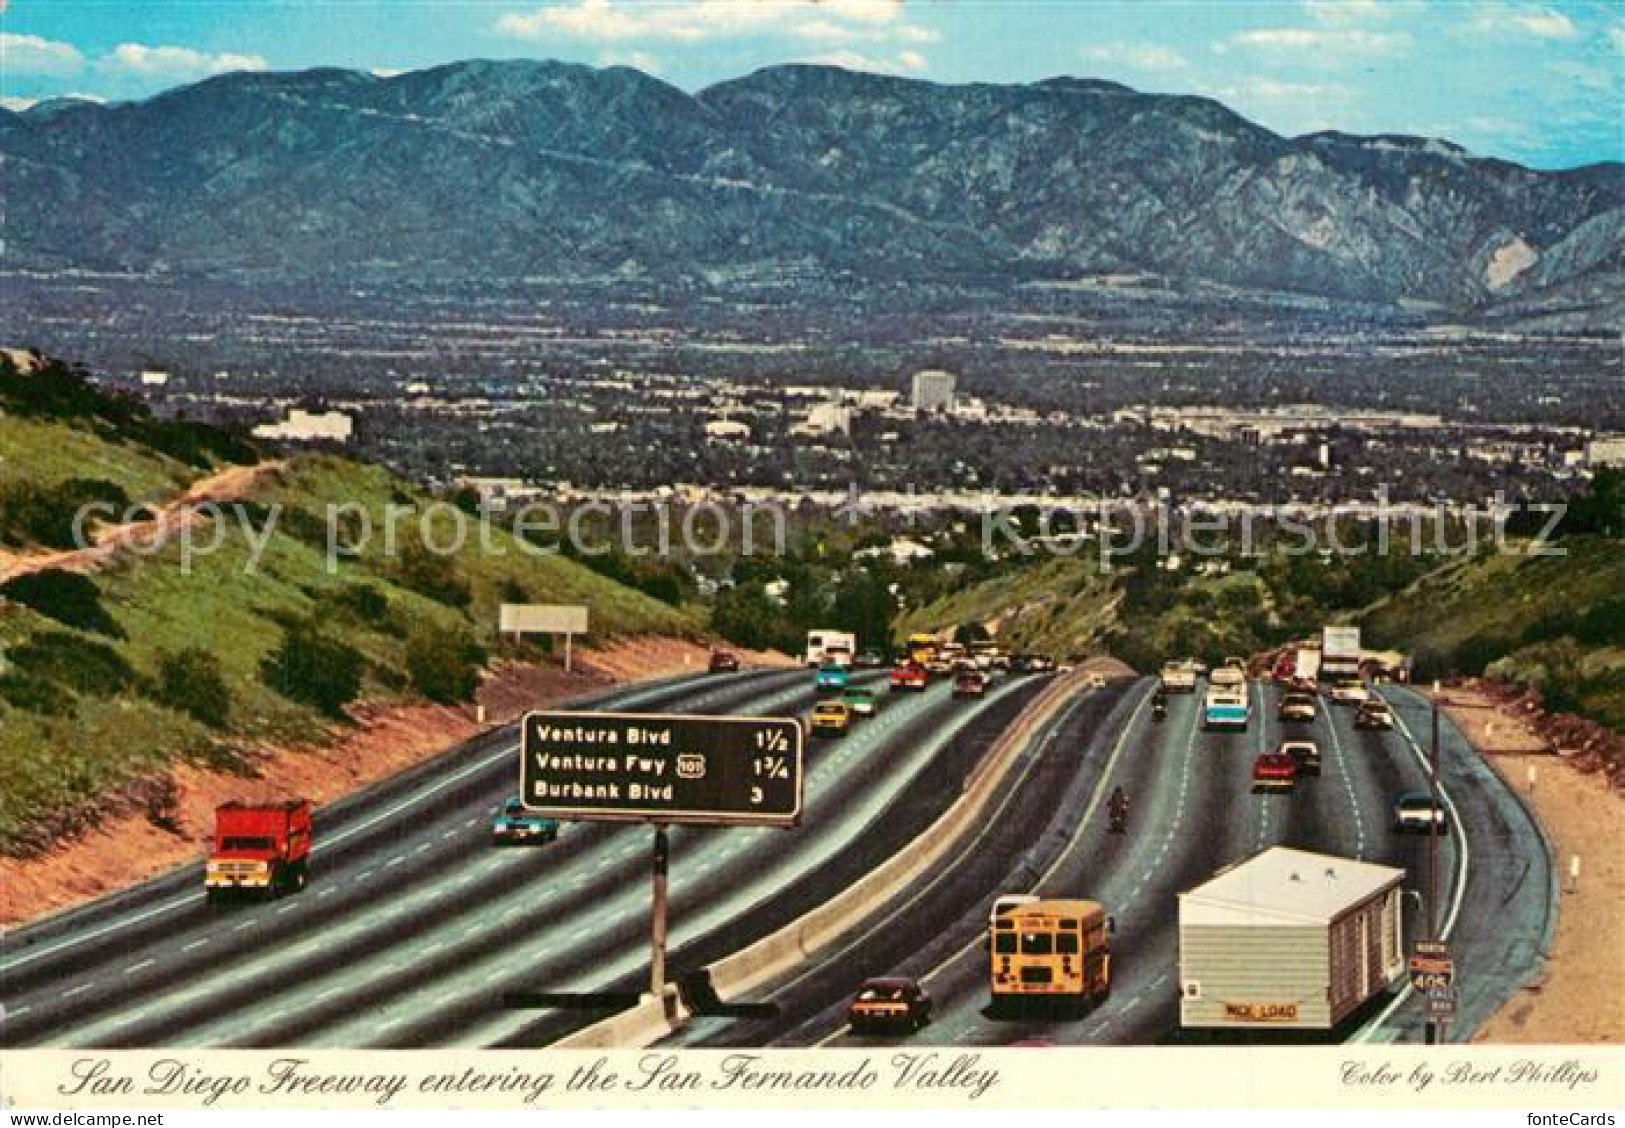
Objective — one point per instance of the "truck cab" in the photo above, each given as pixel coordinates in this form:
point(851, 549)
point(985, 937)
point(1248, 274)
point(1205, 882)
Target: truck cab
point(261, 848)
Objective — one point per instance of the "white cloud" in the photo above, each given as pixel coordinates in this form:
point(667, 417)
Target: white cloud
point(1347, 41)
point(386, 72)
point(1347, 11)
point(1616, 36)
point(619, 21)
point(1542, 23)
point(1272, 90)
point(16, 105)
point(30, 54)
point(174, 62)
point(905, 62)
point(641, 60)
point(1146, 56)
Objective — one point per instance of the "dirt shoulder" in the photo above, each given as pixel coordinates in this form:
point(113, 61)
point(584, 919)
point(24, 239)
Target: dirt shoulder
point(384, 740)
point(1575, 997)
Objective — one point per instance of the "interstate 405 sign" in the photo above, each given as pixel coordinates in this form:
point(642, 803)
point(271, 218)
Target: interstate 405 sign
point(662, 768)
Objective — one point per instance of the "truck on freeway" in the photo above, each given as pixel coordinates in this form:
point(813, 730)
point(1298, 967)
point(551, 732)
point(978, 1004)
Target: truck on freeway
point(259, 847)
point(1178, 677)
point(1050, 950)
point(1226, 710)
point(1339, 653)
point(1289, 940)
point(830, 648)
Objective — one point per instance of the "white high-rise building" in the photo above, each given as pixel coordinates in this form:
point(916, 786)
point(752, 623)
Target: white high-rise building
point(932, 390)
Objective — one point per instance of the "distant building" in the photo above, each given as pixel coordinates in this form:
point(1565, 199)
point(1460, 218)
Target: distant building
point(303, 426)
point(932, 390)
point(153, 378)
point(1609, 451)
point(727, 430)
point(825, 419)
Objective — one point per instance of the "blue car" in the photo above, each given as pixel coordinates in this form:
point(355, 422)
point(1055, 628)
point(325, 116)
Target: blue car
point(831, 679)
point(514, 825)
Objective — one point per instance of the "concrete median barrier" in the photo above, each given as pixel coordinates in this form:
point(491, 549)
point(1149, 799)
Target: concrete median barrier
point(801, 939)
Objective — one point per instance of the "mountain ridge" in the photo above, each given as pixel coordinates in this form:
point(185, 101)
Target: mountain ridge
point(502, 169)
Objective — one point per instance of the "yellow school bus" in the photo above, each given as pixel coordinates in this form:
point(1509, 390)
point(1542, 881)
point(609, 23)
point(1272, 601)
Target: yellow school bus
point(922, 648)
point(1050, 950)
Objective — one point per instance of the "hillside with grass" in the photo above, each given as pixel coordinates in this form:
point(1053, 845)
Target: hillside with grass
point(117, 669)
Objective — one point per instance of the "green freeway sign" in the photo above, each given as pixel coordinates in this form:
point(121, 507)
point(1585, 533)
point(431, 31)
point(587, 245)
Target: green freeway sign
point(662, 768)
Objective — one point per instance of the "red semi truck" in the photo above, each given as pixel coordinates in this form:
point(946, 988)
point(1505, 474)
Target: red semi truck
point(262, 847)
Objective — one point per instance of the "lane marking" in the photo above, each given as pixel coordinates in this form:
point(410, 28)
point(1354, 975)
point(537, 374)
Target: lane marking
point(195, 944)
point(135, 967)
point(1347, 777)
point(1463, 857)
point(615, 701)
point(83, 987)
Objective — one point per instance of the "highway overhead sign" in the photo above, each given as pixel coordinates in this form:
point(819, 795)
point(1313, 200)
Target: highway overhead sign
point(662, 768)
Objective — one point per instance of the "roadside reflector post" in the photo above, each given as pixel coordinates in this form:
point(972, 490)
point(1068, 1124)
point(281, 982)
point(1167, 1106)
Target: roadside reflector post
point(1531, 779)
point(657, 915)
point(1574, 873)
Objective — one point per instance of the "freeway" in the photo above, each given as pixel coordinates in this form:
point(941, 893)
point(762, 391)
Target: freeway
point(413, 928)
point(1193, 814)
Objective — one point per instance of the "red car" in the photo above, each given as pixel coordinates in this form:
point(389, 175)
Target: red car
point(1275, 771)
point(910, 675)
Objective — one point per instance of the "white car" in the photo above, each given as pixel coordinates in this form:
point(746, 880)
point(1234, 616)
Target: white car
point(1348, 693)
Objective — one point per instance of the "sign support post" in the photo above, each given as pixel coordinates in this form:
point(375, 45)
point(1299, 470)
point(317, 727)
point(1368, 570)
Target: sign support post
point(657, 914)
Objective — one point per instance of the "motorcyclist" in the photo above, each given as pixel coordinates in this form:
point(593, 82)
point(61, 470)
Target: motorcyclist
point(1117, 807)
point(1159, 705)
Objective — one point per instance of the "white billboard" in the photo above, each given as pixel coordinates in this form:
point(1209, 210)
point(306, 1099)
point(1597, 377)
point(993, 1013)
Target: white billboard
point(543, 618)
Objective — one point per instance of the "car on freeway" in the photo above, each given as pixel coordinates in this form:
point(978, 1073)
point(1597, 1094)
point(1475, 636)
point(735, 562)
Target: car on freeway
point(1374, 714)
point(909, 675)
point(1042, 664)
point(869, 659)
point(1415, 811)
point(514, 825)
point(1275, 771)
point(889, 1003)
point(830, 679)
point(1350, 691)
point(724, 662)
point(1304, 753)
point(830, 718)
point(1021, 664)
point(1094, 681)
point(1297, 708)
point(970, 683)
point(861, 700)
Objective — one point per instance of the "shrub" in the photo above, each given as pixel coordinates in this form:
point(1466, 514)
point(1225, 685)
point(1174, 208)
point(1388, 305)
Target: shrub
point(189, 681)
point(314, 670)
point(36, 695)
point(79, 664)
point(430, 574)
point(444, 663)
point(69, 598)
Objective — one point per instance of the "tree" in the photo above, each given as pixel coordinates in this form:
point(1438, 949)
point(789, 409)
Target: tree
point(314, 670)
point(190, 682)
point(444, 663)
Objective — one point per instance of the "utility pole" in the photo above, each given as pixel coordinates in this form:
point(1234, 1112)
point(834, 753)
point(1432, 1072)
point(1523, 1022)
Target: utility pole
point(1435, 1027)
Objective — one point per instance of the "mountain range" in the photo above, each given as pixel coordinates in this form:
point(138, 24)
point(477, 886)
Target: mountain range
point(524, 170)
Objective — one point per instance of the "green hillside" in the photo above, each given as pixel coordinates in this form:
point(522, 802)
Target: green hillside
point(111, 676)
point(1556, 623)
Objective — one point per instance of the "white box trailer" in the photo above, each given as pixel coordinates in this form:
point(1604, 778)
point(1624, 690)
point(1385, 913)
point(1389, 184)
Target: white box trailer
point(1289, 940)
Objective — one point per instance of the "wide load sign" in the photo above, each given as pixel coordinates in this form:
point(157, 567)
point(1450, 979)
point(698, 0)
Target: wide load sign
point(662, 768)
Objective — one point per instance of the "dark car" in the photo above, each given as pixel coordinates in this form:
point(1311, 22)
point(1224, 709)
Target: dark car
point(869, 659)
point(1416, 811)
point(889, 1004)
point(724, 662)
point(1305, 753)
point(970, 683)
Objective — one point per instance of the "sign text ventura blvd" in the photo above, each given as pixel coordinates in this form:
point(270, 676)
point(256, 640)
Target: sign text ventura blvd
point(663, 768)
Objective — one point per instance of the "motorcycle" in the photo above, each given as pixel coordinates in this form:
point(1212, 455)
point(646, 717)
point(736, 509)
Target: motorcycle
point(1159, 710)
point(1117, 819)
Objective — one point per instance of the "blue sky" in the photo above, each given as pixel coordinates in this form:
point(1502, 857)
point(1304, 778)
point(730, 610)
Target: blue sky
point(1540, 83)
